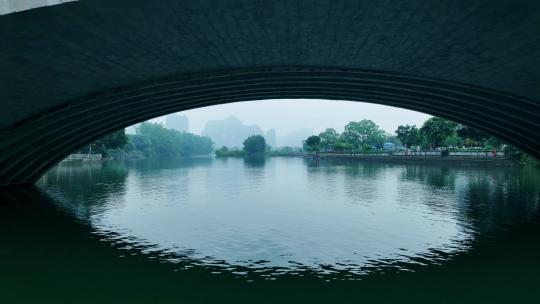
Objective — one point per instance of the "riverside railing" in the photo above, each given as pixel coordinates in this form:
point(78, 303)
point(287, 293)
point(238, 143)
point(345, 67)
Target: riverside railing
point(470, 154)
point(463, 154)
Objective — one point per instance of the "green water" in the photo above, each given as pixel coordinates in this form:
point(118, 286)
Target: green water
point(280, 230)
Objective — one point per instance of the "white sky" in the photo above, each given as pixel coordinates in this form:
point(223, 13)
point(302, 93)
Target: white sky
point(286, 115)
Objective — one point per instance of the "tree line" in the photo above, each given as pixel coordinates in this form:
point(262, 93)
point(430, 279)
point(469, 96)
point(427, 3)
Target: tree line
point(438, 132)
point(253, 146)
point(150, 140)
point(154, 140)
point(365, 136)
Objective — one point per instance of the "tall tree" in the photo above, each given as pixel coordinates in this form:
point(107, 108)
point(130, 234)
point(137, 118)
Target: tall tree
point(363, 133)
point(328, 138)
point(313, 143)
point(254, 145)
point(408, 135)
point(436, 130)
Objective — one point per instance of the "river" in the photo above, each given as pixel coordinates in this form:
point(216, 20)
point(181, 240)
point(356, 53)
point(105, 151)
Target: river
point(275, 230)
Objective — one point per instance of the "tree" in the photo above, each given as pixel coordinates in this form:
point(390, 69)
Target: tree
point(471, 136)
point(313, 143)
point(408, 135)
point(363, 133)
point(225, 152)
point(161, 138)
point(254, 145)
point(453, 140)
point(436, 130)
point(328, 138)
point(142, 145)
point(154, 139)
point(341, 145)
point(115, 140)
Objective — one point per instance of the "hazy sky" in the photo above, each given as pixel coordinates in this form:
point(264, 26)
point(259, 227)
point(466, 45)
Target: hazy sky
point(286, 115)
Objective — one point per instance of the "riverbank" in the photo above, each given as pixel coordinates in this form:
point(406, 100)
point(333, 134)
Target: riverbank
point(79, 158)
point(419, 159)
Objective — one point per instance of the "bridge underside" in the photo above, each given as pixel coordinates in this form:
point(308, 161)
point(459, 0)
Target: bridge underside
point(73, 72)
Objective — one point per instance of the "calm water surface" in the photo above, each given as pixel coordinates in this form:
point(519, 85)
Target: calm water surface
point(205, 230)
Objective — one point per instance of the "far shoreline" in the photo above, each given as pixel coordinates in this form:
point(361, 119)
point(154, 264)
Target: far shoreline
point(416, 159)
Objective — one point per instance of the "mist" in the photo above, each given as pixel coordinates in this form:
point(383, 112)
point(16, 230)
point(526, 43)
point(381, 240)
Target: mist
point(288, 115)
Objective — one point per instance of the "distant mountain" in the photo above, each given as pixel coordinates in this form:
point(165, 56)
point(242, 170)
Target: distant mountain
point(296, 137)
point(177, 122)
point(270, 138)
point(229, 132)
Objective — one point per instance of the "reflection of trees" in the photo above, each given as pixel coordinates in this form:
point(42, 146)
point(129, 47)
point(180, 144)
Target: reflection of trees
point(482, 198)
point(254, 161)
point(170, 163)
point(90, 188)
point(358, 177)
point(254, 168)
point(434, 176)
point(364, 171)
point(500, 196)
point(352, 169)
point(360, 180)
point(79, 181)
point(84, 188)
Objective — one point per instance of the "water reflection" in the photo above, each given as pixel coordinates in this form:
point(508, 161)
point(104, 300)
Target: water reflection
point(311, 231)
point(434, 176)
point(255, 161)
point(285, 215)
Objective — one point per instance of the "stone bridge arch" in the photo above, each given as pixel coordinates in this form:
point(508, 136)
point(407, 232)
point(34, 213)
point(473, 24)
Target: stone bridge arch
point(72, 72)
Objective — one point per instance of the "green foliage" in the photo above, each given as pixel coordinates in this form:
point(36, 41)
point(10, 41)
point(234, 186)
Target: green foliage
point(493, 141)
point(436, 129)
point(154, 140)
point(359, 135)
point(409, 135)
point(286, 151)
point(225, 152)
point(141, 145)
point(439, 132)
point(328, 138)
point(114, 140)
point(341, 145)
point(453, 140)
point(111, 141)
point(471, 136)
point(436, 132)
point(366, 148)
point(364, 132)
point(520, 157)
point(254, 145)
point(313, 143)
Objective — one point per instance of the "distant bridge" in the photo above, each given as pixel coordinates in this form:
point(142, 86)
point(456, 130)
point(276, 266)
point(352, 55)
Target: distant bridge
point(72, 72)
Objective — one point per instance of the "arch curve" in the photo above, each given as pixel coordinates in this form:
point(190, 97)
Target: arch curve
point(31, 147)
